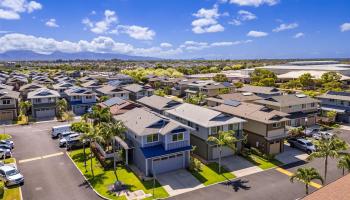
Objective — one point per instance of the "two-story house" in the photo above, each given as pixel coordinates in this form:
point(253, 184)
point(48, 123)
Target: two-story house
point(237, 96)
point(158, 104)
point(338, 102)
point(207, 122)
point(113, 91)
point(208, 87)
point(8, 105)
point(92, 85)
point(61, 87)
point(43, 102)
point(118, 106)
point(25, 89)
point(265, 127)
point(160, 144)
point(138, 91)
point(301, 108)
point(80, 99)
point(261, 91)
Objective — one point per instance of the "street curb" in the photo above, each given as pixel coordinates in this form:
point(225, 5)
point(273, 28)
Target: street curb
point(20, 192)
point(98, 194)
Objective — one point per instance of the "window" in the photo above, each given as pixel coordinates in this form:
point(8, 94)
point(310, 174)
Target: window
point(312, 104)
point(276, 125)
point(303, 106)
point(6, 101)
point(342, 102)
point(152, 138)
point(88, 97)
point(216, 130)
point(37, 100)
point(230, 127)
point(75, 97)
point(178, 137)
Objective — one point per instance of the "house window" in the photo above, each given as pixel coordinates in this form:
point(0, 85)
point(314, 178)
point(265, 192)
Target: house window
point(230, 127)
point(88, 97)
point(303, 106)
point(342, 102)
point(6, 101)
point(178, 137)
point(276, 125)
point(312, 105)
point(37, 100)
point(152, 138)
point(216, 130)
point(331, 100)
point(75, 97)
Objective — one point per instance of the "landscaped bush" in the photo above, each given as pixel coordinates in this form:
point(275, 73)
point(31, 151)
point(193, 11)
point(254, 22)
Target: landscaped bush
point(2, 190)
point(195, 164)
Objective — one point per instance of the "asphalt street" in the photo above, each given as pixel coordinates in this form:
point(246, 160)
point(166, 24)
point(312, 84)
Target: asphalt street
point(48, 171)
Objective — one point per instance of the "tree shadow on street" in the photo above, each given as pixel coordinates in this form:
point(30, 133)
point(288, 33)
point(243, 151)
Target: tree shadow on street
point(237, 184)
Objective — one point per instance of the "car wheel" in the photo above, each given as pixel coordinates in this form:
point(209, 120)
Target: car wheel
point(308, 152)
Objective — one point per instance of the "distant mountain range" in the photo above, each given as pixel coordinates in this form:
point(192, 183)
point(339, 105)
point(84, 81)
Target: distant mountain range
point(33, 56)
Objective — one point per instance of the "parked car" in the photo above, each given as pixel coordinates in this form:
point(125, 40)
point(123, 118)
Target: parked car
point(58, 130)
point(311, 130)
point(302, 144)
point(65, 134)
point(75, 142)
point(5, 153)
point(322, 134)
point(64, 140)
point(5, 146)
point(8, 142)
point(11, 176)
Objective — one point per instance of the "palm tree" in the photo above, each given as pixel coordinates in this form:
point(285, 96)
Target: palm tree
point(81, 127)
point(224, 139)
point(344, 163)
point(61, 106)
point(99, 115)
point(24, 106)
point(306, 175)
point(328, 148)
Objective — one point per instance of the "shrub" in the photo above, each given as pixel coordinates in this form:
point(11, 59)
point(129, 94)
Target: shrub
point(2, 190)
point(195, 164)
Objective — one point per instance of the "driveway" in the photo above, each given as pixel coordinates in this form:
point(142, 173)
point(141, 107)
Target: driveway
point(291, 155)
point(49, 173)
point(239, 166)
point(178, 182)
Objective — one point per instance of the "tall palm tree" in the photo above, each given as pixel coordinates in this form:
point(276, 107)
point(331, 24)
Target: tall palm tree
point(61, 106)
point(328, 148)
point(99, 114)
point(81, 127)
point(224, 139)
point(306, 175)
point(344, 163)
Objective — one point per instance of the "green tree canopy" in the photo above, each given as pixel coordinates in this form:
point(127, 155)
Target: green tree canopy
point(220, 78)
point(263, 77)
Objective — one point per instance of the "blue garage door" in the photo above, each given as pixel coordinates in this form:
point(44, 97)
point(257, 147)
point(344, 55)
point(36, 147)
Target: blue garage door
point(168, 163)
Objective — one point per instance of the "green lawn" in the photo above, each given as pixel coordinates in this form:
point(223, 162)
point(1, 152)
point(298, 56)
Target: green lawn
point(262, 163)
point(103, 179)
point(209, 174)
point(5, 136)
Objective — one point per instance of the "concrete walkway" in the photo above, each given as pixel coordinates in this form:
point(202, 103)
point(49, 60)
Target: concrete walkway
point(178, 182)
point(239, 166)
point(291, 155)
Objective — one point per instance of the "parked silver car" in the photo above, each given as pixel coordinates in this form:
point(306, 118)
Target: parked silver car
point(322, 134)
point(302, 144)
point(10, 175)
point(5, 153)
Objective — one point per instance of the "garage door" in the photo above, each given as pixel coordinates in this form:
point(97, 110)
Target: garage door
point(45, 112)
point(275, 147)
point(225, 152)
point(168, 163)
point(6, 115)
point(79, 110)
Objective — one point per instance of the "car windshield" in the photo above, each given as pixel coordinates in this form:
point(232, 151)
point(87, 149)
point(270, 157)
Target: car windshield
point(309, 144)
point(11, 172)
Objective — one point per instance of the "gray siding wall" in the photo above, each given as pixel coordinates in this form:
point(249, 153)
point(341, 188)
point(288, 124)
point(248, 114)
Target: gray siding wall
point(174, 145)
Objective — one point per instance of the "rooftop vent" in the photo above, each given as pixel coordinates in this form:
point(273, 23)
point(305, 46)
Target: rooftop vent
point(231, 102)
point(247, 94)
point(300, 95)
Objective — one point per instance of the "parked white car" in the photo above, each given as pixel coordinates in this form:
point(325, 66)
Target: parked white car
point(64, 140)
point(5, 153)
point(312, 130)
point(322, 134)
point(58, 130)
point(10, 175)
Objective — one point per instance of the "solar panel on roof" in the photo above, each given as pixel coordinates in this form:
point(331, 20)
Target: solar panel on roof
point(339, 93)
point(231, 102)
point(113, 101)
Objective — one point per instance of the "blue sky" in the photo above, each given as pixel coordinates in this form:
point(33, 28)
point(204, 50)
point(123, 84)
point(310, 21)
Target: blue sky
point(216, 29)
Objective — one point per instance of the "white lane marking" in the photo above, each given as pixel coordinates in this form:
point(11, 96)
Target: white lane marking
point(41, 157)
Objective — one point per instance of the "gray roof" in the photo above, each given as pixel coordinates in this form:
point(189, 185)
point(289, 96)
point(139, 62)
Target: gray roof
point(31, 86)
point(79, 91)
point(245, 96)
point(62, 85)
point(259, 89)
point(203, 116)
point(343, 96)
point(43, 93)
point(109, 89)
point(91, 84)
point(4, 86)
point(253, 112)
point(5, 94)
point(288, 100)
point(136, 88)
point(158, 102)
point(143, 122)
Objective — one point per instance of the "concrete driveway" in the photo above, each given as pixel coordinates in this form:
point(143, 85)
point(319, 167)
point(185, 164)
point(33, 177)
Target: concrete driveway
point(239, 166)
point(291, 155)
point(178, 182)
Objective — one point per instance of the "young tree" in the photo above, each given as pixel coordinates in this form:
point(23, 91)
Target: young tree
point(344, 163)
point(220, 78)
point(306, 175)
point(328, 148)
point(24, 107)
point(98, 115)
point(224, 139)
point(61, 106)
point(331, 116)
point(306, 80)
point(159, 92)
point(263, 77)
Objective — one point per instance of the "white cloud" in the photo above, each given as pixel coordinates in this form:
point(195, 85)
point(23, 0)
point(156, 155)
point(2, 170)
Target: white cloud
point(136, 32)
point(52, 23)
point(299, 35)
point(165, 45)
point(284, 27)
point(255, 3)
point(206, 21)
point(242, 15)
point(104, 25)
point(223, 44)
point(345, 27)
point(196, 46)
point(11, 9)
point(257, 34)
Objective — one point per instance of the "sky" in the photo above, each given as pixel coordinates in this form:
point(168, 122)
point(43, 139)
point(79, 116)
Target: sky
point(179, 29)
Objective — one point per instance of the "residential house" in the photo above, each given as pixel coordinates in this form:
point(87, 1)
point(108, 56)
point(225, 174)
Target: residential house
point(113, 91)
point(264, 92)
point(119, 106)
point(8, 105)
point(61, 87)
point(80, 99)
point(44, 80)
point(241, 97)
point(16, 82)
point(163, 81)
point(85, 79)
point(159, 144)
point(7, 87)
point(206, 122)
point(122, 79)
point(301, 108)
point(158, 104)
point(338, 102)
point(92, 85)
point(25, 89)
point(138, 91)
point(265, 127)
point(208, 87)
point(43, 102)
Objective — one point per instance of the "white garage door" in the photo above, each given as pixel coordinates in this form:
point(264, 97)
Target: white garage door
point(168, 163)
point(6, 115)
point(79, 110)
point(45, 112)
point(225, 152)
